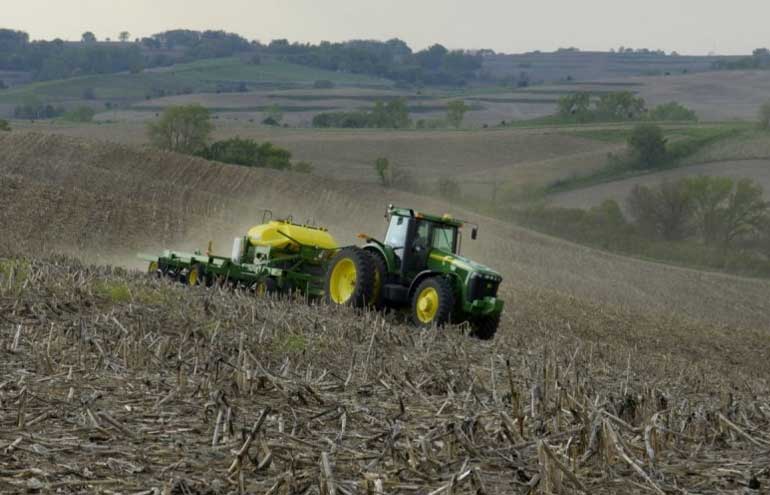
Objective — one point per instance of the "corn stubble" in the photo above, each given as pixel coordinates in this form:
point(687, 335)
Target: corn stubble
point(177, 390)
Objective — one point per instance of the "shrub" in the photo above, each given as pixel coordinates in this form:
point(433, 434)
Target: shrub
point(391, 115)
point(673, 111)
point(248, 153)
point(80, 114)
point(5, 126)
point(647, 145)
point(323, 84)
point(302, 167)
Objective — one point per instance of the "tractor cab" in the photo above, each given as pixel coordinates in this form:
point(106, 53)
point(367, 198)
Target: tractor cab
point(412, 237)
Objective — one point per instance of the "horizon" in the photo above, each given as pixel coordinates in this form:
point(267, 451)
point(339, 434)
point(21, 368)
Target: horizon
point(456, 27)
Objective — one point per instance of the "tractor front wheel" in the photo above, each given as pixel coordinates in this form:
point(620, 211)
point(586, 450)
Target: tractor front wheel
point(485, 327)
point(433, 302)
point(350, 278)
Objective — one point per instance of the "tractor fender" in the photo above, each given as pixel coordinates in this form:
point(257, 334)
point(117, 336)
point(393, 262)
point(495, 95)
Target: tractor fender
point(427, 274)
point(377, 249)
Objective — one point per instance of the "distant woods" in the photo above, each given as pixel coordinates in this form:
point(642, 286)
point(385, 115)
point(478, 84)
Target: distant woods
point(393, 59)
point(187, 129)
point(713, 222)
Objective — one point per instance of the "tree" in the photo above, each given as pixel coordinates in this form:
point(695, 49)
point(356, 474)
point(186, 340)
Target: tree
point(664, 211)
point(184, 129)
point(88, 37)
point(124, 36)
point(647, 145)
point(746, 211)
point(709, 195)
point(80, 114)
point(622, 105)
point(391, 115)
point(274, 115)
point(5, 126)
point(673, 111)
point(576, 105)
point(764, 116)
point(456, 112)
point(382, 167)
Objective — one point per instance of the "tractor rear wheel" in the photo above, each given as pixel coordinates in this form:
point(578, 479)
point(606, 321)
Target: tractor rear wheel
point(196, 275)
point(485, 327)
point(154, 269)
point(380, 277)
point(265, 287)
point(433, 302)
point(350, 278)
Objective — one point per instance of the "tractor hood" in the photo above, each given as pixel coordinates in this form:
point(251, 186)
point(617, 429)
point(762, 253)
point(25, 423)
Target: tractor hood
point(462, 265)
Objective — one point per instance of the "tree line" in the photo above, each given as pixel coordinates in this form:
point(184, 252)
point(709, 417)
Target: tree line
point(618, 106)
point(393, 59)
point(393, 114)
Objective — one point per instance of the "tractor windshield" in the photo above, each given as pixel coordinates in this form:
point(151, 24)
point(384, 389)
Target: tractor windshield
point(396, 236)
point(444, 238)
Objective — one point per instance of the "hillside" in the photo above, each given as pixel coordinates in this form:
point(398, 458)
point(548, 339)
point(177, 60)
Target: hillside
point(604, 364)
point(127, 200)
point(756, 170)
point(204, 76)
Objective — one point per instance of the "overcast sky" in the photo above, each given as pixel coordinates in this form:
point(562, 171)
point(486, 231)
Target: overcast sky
point(687, 26)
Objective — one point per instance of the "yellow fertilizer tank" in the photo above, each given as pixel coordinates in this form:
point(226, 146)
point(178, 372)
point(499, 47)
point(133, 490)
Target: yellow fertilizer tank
point(272, 235)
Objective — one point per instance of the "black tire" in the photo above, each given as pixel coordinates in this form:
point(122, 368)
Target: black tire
point(349, 279)
point(380, 278)
point(440, 309)
point(485, 327)
point(265, 287)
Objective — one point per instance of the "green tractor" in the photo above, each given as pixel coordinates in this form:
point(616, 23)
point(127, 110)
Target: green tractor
point(418, 266)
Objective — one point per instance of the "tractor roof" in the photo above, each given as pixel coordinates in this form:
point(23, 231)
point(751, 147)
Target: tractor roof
point(407, 212)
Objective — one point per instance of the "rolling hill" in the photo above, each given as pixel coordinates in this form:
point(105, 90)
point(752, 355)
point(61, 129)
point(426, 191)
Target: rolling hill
point(142, 383)
point(127, 200)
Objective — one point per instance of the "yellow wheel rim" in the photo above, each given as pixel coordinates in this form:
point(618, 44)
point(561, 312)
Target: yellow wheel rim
point(342, 282)
point(153, 268)
point(427, 305)
point(377, 286)
point(192, 277)
point(261, 289)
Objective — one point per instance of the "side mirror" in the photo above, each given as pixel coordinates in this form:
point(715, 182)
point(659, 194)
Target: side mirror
point(474, 233)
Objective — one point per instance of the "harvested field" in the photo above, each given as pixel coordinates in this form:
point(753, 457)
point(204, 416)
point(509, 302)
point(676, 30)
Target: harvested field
point(115, 382)
point(108, 202)
point(757, 170)
point(509, 157)
point(725, 95)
